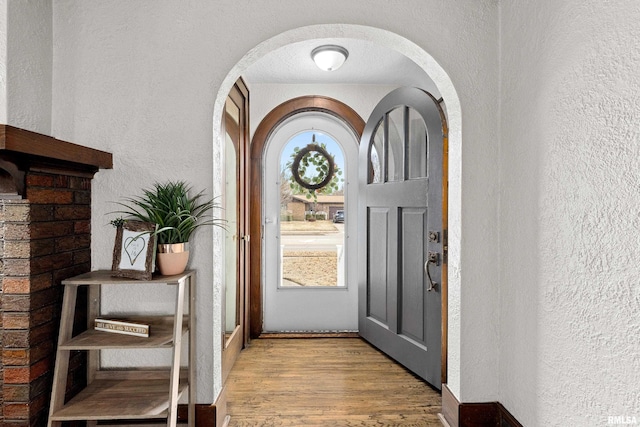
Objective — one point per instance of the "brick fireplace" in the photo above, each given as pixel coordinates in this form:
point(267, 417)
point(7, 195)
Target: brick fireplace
point(45, 237)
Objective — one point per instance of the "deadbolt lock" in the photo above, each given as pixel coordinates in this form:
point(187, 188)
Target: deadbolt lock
point(434, 236)
point(434, 258)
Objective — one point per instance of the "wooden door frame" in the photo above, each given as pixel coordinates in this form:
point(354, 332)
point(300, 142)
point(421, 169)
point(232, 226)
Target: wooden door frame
point(239, 94)
point(264, 130)
point(444, 278)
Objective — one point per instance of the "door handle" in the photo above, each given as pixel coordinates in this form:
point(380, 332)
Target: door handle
point(432, 258)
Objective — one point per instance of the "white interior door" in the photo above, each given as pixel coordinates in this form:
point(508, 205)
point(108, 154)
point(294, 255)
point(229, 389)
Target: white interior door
point(289, 306)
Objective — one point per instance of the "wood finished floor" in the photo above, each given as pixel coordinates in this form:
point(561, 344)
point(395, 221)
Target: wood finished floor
point(325, 382)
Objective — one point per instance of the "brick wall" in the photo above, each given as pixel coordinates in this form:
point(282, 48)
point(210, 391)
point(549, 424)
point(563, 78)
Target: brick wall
point(44, 238)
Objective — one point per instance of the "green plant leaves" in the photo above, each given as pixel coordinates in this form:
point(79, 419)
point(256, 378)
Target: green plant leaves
point(170, 206)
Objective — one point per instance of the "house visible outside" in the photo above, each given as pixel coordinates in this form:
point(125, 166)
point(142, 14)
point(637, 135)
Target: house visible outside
point(299, 208)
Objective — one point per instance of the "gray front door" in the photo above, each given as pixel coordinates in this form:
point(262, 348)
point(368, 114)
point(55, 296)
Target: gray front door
point(400, 254)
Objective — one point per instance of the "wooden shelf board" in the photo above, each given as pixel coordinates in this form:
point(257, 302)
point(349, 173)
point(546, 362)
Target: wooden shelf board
point(119, 399)
point(146, 424)
point(160, 335)
point(141, 374)
point(103, 277)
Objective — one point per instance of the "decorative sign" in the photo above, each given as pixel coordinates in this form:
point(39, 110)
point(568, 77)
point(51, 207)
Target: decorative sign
point(122, 327)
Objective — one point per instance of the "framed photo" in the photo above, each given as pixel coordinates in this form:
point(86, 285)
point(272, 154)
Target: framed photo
point(134, 250)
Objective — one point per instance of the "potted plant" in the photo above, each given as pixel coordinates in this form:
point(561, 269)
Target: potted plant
point(177, 215)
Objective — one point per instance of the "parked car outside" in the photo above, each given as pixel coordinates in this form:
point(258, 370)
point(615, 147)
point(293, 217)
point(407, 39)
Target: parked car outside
point(338, 216)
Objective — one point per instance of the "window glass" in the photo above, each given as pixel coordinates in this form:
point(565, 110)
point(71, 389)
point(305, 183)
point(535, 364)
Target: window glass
point(375, 155)
point(232, 138)
point(312, 220)
point(417, 146)
point(395, 146)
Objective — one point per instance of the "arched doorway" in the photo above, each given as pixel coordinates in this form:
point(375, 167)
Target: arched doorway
point(454, 117)
point(275, 118)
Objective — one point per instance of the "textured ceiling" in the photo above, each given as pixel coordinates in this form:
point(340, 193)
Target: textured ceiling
point(368, 63)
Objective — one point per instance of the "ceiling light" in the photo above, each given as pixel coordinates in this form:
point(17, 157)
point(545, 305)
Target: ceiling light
point(329, 57)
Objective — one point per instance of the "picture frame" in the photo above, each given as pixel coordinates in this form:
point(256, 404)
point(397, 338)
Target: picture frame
point(134, 250)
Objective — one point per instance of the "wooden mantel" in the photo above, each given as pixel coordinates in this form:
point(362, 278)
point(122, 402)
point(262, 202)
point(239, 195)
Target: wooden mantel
point(24, 142)
point(22, 150)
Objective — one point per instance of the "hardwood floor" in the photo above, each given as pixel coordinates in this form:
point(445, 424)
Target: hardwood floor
point(325, 382)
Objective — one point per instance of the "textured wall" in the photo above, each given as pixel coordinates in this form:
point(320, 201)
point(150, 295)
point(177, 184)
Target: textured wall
point(3, 61)
point(570, 173)
point(144, 79)
point(28, 64)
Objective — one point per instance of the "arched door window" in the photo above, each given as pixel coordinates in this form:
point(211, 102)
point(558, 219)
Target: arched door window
point(401, 155)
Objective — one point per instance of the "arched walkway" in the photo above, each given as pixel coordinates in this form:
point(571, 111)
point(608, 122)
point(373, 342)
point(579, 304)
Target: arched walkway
point(454, 117)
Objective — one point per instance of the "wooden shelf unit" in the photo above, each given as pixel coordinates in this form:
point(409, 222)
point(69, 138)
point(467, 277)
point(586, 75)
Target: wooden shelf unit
point(126, 394)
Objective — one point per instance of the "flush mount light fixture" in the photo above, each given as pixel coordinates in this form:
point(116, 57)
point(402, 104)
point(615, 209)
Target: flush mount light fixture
point(329, 57)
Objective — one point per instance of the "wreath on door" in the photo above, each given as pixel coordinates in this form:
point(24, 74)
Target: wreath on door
point(313, 155)
point(313, 171)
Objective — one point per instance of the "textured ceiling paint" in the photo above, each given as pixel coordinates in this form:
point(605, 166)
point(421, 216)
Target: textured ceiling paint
point(569, 212)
